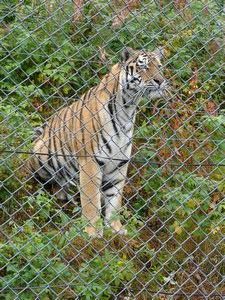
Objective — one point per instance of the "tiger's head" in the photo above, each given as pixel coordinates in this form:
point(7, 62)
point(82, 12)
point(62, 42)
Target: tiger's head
point(142, 73)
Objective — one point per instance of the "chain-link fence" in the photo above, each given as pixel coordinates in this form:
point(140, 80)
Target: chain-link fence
point(112, 165)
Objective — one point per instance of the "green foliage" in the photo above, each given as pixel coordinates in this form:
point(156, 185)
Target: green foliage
point(34, 258)
point(189, 201)
point(28, 257)
point(186, 195)
point(103, 276)
point(47, 62)
point(42, 205)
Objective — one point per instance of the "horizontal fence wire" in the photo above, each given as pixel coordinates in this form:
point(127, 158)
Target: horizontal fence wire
point(117, 109)
point(114, 159)
point(149, 291)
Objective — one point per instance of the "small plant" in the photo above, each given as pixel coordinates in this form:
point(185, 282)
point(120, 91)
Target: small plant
point(29, 259)
point(104, 275)
point(42, 206)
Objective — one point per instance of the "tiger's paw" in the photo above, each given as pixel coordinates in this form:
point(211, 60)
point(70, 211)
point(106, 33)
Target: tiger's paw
point(118, 228)
point(122, 231)
point(94, 232)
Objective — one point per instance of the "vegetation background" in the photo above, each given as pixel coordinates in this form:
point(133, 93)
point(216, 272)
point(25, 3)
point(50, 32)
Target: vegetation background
point(50, 53)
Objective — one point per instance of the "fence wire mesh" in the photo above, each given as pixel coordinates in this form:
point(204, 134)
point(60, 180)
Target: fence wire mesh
point(112, 148)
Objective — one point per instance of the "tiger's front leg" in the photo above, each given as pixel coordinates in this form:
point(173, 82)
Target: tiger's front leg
point(90, 190)
point(112, 189)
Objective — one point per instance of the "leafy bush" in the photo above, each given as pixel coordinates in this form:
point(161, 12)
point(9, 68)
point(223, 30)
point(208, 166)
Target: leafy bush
point(28, 258)
point(176, 182)
point(37, 262)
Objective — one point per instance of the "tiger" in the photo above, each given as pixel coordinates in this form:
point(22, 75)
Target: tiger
point(89, 143)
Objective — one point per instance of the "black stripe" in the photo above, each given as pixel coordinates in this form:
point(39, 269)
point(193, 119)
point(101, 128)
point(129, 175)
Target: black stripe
point(81, 122)
point(59, 166)
point(91, 141)
point(105, 142)
point(87, 95)
point(74, 117)
point(107, 77)
point(100, 163)
point(110, 195)
point(102, 135)
point(106, 185)
point(120, 164)
point(123, 162)
point(31, 168)
point(49, 159)
point(115, 88)
point(72, 159)
point(98, 123)
point(127, 73)
point(116, 113)
point(69, 160)
point(68, 167)
point(44, 168)
point(113, 170)
point(128, 144)
point(96, 134)
point(124, 102)
point(59, 169)
point(35, 173)
point(62, 146)
point(132, 70)
point(110, 106)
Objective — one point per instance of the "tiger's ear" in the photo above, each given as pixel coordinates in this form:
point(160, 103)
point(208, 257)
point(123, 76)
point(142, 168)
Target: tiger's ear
point(159, 53)
point(127, 53)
